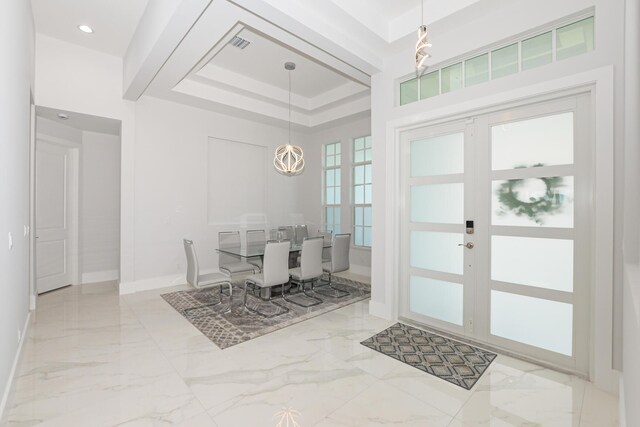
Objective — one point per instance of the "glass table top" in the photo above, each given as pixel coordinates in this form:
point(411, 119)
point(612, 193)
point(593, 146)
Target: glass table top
point(256, 250)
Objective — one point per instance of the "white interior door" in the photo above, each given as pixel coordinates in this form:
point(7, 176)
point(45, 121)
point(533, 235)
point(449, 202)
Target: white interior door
point(520, 279)
point(53, 216)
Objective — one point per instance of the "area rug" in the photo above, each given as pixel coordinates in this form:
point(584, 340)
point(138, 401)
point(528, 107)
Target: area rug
point(229, 329)
point(460, 364)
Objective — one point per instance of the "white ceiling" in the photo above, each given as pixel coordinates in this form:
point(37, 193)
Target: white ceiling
point(263, 61)
point(114, 22)
point(84, 122)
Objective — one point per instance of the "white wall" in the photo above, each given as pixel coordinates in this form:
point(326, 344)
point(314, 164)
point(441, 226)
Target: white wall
point(311, 198)
point(450, 39)
point(171, 191)
point(99, 207)
point(630, 411)
point(16, 83)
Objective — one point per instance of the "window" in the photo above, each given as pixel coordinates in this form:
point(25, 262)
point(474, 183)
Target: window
point(332, 178)
point(572, 38)
point(362, 191)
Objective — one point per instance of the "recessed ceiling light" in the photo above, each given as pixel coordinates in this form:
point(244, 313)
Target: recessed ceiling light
point(63, 116)
point(85, 29)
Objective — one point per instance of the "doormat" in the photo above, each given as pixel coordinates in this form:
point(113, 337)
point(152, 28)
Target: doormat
point(458, 363)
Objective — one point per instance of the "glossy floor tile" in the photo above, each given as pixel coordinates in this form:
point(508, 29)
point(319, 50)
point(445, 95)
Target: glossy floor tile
point(94, 358)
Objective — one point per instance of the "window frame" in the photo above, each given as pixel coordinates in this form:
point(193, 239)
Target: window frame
point(366, 161)
point(335, 225)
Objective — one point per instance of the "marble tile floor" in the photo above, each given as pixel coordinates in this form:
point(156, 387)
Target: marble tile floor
point(94, 358)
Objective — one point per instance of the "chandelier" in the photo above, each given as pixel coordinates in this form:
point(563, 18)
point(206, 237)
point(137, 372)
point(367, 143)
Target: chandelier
point(289, 158)
point(422, 44)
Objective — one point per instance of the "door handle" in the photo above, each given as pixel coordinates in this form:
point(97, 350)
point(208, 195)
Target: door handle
point(468, 245)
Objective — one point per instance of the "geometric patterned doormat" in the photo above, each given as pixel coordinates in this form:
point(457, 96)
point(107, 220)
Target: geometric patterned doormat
point(453, 361)
point(238, 326)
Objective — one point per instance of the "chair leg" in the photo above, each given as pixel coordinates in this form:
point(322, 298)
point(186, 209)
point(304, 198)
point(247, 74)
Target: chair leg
point(186, 311)
point(261, 313)
point(316, 300)
point(339, 293)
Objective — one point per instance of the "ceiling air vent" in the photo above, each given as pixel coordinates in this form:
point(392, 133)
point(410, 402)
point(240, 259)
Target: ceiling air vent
point(239, 42)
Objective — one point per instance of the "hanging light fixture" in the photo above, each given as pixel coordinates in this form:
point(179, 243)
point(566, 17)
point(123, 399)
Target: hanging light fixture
point(289, 159)
point(422, 44)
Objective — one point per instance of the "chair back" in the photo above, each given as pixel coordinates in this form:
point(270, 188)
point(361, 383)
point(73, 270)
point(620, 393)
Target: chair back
point(289, 234)
point(256, 237)
point(340, 253)
point(301, 233)
point(311, 258)
point(276, 263)
point(192, 263)
point(228, 240)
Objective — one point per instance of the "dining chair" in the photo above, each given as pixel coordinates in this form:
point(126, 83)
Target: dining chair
point(204, 281)
point(326, 252)
point(275, 272)
point(256, 238)
point(288, 231)
point(301, 232)
point(339, 262)
point(309, 271)
point(231, 264)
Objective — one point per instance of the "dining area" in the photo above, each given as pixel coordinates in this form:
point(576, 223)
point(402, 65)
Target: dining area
point(272, 276)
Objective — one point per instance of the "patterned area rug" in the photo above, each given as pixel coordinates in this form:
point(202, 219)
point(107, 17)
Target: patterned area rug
point(229, 329)
point(453, 361)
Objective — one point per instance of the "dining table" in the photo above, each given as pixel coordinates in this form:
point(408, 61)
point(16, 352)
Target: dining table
point(256, 250)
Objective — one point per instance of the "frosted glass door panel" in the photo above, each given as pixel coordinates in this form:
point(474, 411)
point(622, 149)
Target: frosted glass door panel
point(540, 141)
point(543, 263)
point(533, 202)
point(440, 155)
point(437, 251)
point(436, 298)
point(537, 322)
point(438, 203)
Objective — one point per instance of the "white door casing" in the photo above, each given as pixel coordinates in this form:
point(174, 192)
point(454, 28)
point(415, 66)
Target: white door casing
point(56, 204)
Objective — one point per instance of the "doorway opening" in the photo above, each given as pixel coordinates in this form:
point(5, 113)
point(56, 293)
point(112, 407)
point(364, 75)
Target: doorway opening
point(76, 199)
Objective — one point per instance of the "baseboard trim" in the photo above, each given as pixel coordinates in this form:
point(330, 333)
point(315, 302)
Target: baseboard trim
point(151, 283)
point(8, 389)
point(360, 270)
point(100, 276)
point(380, 309)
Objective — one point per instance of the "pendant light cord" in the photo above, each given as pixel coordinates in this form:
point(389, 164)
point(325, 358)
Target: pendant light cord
point(422, 11)
point(289, 106)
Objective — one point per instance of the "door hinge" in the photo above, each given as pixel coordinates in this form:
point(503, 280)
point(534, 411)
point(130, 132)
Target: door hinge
point(470, 325)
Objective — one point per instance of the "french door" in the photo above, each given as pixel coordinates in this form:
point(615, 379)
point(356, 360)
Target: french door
point(495, 229)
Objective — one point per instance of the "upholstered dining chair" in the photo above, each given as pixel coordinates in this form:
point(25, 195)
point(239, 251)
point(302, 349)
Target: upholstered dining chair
point(301, 232)
point(204, 281)
point(256, 238)
point(309, 271)
point(275, 272)
point(230, 264)
point(288, 232)
point(339, 262)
